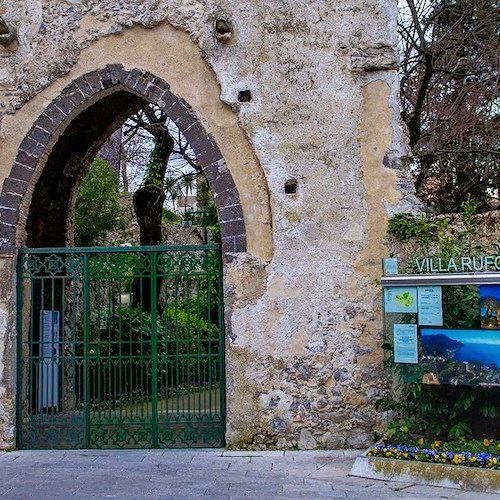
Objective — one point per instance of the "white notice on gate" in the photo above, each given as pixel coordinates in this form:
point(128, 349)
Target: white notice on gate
point(48, 373)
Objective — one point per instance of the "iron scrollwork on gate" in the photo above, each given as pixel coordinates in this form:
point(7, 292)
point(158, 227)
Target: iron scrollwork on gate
point(120, 348)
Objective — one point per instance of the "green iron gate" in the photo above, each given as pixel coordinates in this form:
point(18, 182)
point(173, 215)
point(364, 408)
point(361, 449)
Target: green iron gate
point(120, 348)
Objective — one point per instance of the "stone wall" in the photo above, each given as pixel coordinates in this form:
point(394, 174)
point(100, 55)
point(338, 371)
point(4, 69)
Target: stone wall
point(303, 93)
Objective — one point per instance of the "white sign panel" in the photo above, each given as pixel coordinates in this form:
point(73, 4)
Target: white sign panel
point(405, 344)
point(430, 306)
point(48, 373)
point(390, 266)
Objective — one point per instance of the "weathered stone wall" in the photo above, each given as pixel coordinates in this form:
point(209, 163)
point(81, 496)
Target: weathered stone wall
point(304, 91)
point(7, 356)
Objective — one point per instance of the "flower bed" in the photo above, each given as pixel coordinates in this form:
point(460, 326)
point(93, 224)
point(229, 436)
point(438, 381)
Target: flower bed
point(485, 454)
point(434, 464)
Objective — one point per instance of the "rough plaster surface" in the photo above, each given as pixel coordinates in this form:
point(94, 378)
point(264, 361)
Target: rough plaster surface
point(7, 353)
point(303, 355)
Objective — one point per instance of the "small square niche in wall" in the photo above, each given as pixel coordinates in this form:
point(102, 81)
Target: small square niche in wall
point(291, 186)
point(244, 96)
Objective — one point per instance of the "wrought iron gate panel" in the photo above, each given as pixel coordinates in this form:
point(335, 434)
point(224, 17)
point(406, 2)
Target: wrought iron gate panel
point(120, 347)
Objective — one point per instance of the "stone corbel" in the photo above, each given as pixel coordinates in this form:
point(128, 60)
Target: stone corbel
point(374, 58)
point(8, 34)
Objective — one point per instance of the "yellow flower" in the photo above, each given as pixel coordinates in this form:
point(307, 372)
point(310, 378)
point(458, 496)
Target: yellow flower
point(435, 443)
point(420, 441)
point(486, 442)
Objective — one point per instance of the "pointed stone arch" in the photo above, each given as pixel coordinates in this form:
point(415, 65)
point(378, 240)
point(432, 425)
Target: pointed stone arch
point(70, 132)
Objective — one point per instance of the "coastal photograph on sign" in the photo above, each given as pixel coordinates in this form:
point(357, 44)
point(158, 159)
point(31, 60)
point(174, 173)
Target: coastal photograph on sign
point(489, 296)
point(461, 357)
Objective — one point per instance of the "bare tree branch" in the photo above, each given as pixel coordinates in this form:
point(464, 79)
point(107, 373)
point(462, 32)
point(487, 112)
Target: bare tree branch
point(449, 55)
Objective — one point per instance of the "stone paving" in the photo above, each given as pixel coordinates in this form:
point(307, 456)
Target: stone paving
point(184, 474)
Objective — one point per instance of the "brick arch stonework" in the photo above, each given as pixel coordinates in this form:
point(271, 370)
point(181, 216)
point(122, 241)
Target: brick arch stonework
point(78, 96)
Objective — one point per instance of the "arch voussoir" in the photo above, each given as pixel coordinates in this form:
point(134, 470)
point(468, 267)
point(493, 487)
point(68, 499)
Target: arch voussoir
point(94, 81)
point(65, 104)
point(166, 101)
point(32, 148)
point(84, 87)
point(47, 124)
point(55, 114)
point(75, 94)
point(156, 88)
point(178, 109)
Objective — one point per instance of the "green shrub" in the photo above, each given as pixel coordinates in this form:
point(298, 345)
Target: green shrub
point(97, 209)
point(170, 217)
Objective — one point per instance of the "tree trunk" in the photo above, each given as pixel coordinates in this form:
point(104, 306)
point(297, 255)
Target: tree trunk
point(148, 205)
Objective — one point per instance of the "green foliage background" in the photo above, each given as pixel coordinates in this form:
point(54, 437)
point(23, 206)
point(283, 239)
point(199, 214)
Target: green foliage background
point(97, 208)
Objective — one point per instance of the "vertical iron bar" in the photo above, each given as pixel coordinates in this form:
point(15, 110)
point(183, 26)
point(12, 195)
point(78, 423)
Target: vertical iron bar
point(221, 346)
point(50, 367)
point(72, 373)
point(154, 348)
point(176, 341)
point(209, 356)
point(86, 347)
point(39, 369)
point(61, 359)
point(188, 344)
point(199, 384)
point(32, 366)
